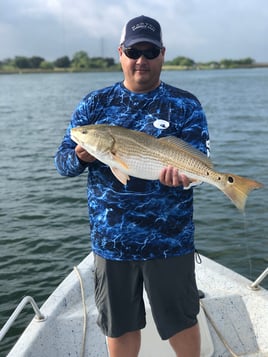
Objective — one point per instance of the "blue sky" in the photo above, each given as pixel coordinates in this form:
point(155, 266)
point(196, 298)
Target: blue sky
point(203, 30)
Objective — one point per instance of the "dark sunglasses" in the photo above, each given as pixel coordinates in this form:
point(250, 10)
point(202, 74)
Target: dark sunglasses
point(134, 53)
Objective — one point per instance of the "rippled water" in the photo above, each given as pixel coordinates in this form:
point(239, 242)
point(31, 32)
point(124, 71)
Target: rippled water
point(43, 217)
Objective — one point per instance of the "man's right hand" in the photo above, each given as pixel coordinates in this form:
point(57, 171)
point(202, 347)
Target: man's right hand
point(83, 155)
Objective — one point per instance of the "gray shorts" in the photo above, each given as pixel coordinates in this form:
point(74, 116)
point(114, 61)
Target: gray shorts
point(170, 285)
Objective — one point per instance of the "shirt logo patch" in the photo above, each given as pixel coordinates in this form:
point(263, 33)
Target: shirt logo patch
point(161, 124)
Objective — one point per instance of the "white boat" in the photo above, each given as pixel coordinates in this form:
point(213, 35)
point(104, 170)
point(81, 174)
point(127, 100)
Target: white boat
point(233, 318)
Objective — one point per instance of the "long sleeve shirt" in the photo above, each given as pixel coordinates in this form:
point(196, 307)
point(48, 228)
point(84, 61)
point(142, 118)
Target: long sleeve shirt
point(143, 219)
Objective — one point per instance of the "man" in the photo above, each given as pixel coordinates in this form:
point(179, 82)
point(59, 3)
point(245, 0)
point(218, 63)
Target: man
point(142, 233)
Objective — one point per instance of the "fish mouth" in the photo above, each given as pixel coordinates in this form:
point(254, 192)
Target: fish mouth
point(74, 138)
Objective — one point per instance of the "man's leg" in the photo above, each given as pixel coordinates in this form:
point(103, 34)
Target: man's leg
point(127, 345)
point(187, 342)
point(119, 299)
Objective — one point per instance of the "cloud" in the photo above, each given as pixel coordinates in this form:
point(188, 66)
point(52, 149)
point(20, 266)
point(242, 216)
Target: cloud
point(200, 29)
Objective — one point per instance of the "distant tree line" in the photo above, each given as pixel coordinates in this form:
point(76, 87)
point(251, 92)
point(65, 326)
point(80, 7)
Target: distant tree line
point(82, 62)
point(224, 63)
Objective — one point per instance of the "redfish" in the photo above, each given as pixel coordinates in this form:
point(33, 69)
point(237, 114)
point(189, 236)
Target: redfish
point(132, 153)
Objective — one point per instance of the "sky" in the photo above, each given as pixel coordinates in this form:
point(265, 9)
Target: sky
point(203, 30)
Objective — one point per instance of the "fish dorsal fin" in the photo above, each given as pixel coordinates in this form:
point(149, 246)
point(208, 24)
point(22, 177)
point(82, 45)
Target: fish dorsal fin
point(121, 176)
point(184, 146)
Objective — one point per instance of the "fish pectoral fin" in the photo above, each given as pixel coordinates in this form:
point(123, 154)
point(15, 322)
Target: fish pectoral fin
point(119, 161)
point(121, 176)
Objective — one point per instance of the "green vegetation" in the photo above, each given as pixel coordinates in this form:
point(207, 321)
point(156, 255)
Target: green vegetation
point(188, 63)
point(82, 62)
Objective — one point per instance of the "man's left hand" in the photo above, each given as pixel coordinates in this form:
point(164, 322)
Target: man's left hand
point(170, 176)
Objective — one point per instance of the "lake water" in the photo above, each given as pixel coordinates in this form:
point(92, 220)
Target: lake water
point(43, 216)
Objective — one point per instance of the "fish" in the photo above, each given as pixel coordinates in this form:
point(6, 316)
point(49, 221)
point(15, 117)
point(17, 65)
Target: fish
point(133, 153)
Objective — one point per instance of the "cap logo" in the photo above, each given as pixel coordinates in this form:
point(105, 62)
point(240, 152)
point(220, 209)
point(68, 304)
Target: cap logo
point(143, 25)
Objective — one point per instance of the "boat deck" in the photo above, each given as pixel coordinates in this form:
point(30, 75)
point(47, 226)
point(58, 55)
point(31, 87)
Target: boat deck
point(233, 318)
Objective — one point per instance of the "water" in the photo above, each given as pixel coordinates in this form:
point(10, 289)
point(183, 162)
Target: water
point(43, 216)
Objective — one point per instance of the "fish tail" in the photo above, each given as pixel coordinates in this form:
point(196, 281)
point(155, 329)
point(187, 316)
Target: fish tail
point(237, 189)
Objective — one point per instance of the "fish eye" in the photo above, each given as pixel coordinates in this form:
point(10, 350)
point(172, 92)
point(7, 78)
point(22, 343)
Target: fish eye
point(84, 131)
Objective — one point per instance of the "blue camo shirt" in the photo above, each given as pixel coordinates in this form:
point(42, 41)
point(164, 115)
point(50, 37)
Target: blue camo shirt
point(143, 219)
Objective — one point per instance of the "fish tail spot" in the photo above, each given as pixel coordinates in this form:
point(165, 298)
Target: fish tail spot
point(230, 179)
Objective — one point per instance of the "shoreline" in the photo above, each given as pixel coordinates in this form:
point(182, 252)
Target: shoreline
point(117, 69)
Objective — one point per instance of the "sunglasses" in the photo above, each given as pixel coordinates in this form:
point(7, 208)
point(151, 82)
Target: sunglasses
point(134, 53)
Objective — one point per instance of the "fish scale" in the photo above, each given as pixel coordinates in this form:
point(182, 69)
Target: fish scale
point(146, 160)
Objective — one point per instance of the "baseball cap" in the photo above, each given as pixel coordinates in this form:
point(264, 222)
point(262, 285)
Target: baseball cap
point(141, 29)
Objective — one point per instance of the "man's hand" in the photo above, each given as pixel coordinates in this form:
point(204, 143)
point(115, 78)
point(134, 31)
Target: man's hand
point(170, 176)
point(83, 155)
